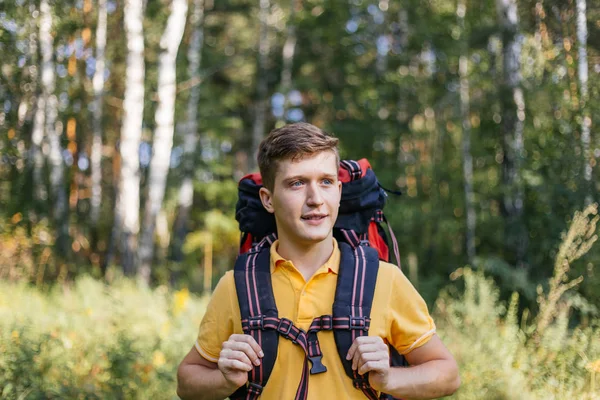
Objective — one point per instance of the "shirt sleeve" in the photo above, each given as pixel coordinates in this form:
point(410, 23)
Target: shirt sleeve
point(220, 321)
point(410, 325)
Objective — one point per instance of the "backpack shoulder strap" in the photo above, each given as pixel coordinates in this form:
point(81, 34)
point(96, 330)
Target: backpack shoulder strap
point(359, 265)
point(252, 274)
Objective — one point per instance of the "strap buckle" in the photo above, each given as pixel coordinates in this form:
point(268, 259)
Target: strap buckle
point(256, 322)
point(358, 323)
point(254, 388)
point(317, 366)
point(282, 329)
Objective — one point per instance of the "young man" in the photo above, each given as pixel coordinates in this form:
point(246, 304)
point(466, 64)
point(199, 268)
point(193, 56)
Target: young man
point(299, 165)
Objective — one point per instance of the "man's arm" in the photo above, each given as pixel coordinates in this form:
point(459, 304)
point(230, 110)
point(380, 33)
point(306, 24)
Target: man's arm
point(433, 372)
point(201, 379)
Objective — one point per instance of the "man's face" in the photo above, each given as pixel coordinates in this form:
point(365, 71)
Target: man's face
point(305, 198)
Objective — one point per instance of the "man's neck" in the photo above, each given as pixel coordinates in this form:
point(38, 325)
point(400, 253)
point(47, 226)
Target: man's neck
point(307, 258)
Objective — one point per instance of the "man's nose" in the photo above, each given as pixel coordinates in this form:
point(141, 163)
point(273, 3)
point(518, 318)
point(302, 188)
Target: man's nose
point(315, 197)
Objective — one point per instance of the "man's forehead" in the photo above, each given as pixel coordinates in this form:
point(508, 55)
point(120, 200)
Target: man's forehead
point(320, 163)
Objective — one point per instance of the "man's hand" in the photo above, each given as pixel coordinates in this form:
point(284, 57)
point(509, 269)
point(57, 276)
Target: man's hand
point(238, 355)
point(371, 354)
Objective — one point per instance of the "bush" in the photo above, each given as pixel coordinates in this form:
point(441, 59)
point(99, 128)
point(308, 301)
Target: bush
point(92, 341)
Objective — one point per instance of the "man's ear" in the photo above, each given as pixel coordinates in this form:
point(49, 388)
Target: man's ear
point(267, 199)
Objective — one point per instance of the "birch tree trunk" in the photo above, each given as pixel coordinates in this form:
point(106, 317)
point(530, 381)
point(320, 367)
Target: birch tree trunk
point(186, 191)
point(289, 49)
point(128, 197)
point(260, 111)
point(57, 169)
point(163, 135)
point(513, 116)
point(36, 160)
point(98, 85)
point(586, 121)
point(466, 133)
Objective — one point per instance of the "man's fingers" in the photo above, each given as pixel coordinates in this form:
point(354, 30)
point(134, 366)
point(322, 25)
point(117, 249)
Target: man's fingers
point(374, 366)
point(235, 355)
point(249, 340)
point(366, 353)
point(363, 340)
point(245, 348)
point(229, 364)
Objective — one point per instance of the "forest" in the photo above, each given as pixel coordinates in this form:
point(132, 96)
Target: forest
point(125, 126)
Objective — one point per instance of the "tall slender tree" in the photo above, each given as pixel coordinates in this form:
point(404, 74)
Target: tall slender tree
point(190, 142)
point(57, 169)
point(463, 65)
point(260, 110)
point(98, 86)
point(163, 135)
point(513, 117)
point(289, 49)
point(582, 74)
point(127, 217)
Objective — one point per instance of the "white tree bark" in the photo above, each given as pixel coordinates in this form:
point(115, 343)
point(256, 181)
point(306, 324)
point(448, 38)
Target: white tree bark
point(466, 133)
point(186, 191)
point(55, 158)
point(163, 135)
point(260, 111)
point(513, 118)
point(36, 159)
point(128, 200)
point(98, 85)
point(582, 74)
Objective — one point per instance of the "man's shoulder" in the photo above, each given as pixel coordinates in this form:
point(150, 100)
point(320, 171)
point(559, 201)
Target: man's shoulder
point(389, 271)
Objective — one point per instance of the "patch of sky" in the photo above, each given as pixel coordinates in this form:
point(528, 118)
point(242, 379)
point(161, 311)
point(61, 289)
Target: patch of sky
point(383, 45)
point(351, 26)
point(175, 157)
point(145, 153)
point(226, 146)
point(295, 98)
point(21, 62)
point(295, 115)
point(61, 70)
point(83, 162)
point(67, 157)
point(7, 105)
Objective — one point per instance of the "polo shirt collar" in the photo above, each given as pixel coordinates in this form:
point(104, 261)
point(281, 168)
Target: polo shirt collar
point(331, 265)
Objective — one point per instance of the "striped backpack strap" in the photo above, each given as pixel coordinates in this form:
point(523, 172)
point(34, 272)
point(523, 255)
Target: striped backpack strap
point(252, 275)
point(359, 265)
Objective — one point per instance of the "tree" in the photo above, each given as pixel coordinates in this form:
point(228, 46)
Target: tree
point(513, 117)
point(586, 121)
point(128, 197)
point(186, 191)
point(98, 87)
point(260, 110)
point(57, 170)
point(467, 159)
point(163, 135)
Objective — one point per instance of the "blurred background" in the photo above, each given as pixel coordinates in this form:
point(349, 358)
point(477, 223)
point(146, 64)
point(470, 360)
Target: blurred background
point(125, 126)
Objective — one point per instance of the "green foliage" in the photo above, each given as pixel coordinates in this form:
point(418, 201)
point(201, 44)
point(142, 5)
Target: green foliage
point(88, 340)
point(497, 353)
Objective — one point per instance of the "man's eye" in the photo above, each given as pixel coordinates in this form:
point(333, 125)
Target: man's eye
point(296, 183)
point(327, 181)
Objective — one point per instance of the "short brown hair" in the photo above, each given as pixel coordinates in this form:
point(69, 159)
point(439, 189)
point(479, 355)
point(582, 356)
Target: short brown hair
point(293, 141)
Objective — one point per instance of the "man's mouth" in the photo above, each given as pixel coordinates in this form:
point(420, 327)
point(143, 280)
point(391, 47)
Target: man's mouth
point(313, 217)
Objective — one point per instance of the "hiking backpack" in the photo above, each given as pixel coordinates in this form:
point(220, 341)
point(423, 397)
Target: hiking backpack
point(362, 243)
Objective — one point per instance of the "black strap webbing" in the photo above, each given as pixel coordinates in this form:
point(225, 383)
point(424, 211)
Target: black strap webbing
point(353, 299)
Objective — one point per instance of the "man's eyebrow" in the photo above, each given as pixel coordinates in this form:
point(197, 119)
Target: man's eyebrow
point(302, 177)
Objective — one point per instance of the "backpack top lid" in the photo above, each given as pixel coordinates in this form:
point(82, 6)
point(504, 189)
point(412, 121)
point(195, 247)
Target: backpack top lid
point(362, 197)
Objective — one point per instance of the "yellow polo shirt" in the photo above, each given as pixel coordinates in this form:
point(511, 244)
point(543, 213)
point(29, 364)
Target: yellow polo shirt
point(399, 315)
